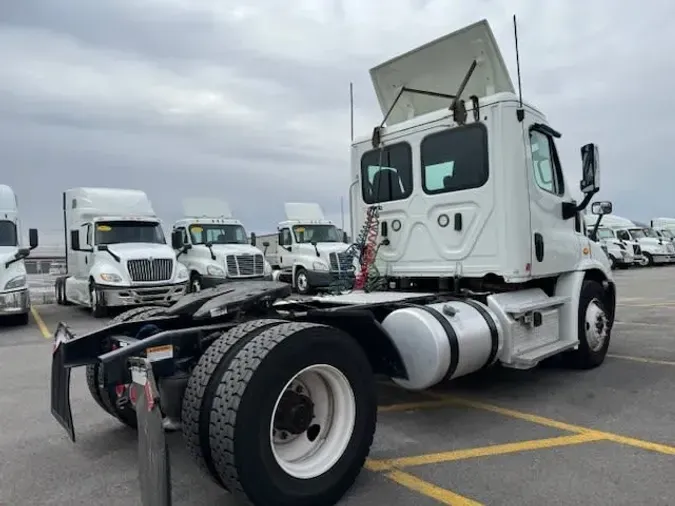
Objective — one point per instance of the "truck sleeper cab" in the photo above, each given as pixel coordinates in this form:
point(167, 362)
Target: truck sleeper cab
point(14, 292)
point(116, 252)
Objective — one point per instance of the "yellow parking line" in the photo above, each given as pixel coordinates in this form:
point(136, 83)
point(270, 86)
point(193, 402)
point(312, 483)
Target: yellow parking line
point(642, 359)
point(40, 323)
point(428, 489)
point(484, 451)
point(541, 420)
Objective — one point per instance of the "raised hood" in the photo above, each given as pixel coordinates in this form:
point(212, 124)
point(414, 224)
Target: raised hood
point(440, 66)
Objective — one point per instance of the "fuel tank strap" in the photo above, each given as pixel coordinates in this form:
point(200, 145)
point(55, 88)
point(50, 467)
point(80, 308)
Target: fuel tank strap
point(494, 333)
point(451, 335)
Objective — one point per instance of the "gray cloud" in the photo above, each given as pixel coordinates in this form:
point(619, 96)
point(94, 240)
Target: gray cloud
point(182, 97)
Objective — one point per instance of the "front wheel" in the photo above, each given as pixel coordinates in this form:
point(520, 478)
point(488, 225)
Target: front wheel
point(293, 416)
point(302, 281)
point(648, 260)
point(594, 327)
point(98, 310)
point(195, 283)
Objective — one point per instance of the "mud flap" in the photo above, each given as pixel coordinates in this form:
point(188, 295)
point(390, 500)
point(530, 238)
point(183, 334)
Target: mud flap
point(153, 453)
point(60, 382)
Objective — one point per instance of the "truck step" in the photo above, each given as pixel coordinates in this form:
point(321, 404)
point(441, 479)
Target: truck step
point(531, 358)
point(520, 307)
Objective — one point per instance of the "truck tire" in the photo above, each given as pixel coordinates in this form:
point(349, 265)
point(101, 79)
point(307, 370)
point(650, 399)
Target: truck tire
point(594, 328)
point(202, 385)
point(98, 310)
point(104, 397)
point(195, 283)
point(649, 259)
point(302, 282)
point(327, 419)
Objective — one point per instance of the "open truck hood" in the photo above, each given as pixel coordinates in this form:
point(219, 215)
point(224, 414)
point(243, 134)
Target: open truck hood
point(440, 66)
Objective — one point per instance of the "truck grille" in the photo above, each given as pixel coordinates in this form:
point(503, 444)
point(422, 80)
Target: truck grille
point(244, 266)
point(636, 249)
point(146, 270)
point(340, 262)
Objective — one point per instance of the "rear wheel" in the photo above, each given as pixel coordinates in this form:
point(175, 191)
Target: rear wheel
point(293, 416)
point(106, 397)
point(201, 388)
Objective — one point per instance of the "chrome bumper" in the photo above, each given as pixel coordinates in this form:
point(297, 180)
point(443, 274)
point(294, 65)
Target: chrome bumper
point(15, 302)
point(140, 295)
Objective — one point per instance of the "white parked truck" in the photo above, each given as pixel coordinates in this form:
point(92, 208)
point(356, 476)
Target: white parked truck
point(116, 252)
point(653, 249)
point(485, 258)
point(620, 253)
point(14, 292)
point(308, 250)
point(214, 246)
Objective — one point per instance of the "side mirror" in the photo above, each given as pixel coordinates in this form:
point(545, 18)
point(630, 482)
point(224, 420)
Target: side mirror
point(254, 239)
point(590, 169)
point(345, 237)
point(75, 240)
point(601, 208)
point(22, 253)
point(33, 238)
point(266, 244)
point(176, 239)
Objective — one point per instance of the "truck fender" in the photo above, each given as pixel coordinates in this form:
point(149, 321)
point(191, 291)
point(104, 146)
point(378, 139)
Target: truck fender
point(569, 285)
point(367, 331)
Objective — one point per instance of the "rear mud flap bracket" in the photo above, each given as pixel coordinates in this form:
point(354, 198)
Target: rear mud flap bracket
point(154, 472)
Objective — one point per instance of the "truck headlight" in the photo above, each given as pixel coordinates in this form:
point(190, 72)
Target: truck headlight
point(182, 274)
point(214, 270)
point(110, 277)
point(16, 282)
point(320, 266)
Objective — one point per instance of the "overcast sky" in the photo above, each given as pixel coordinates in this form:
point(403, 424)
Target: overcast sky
point(250, 100)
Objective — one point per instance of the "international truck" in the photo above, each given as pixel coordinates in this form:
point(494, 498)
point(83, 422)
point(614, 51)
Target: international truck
point(214, 246)
point(308, 251)
point(116, 253)
point(14, 292)
point(473, 226)
point(653, 249)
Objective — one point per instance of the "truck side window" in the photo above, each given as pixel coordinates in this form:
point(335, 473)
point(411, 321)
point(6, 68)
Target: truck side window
point(286, 237)
point(455, 159)
point(386, 173)
point(545, 163)
point(89, 242)
point(623, 235)
point(186, 237)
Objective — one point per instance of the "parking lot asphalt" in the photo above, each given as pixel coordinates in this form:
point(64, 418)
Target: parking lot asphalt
point(504, 437)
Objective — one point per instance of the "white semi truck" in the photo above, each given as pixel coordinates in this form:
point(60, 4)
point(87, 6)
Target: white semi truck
point(308, 251)
point(485, 258)
point(620, 253)
point(116, 252)
point(14, 292)
point(653, 250)
point(214, 246)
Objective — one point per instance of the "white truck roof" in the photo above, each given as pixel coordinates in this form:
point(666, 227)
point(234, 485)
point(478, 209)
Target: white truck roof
point(440, 66)
point(305, 212)
point(109, 202)
point(8, 201)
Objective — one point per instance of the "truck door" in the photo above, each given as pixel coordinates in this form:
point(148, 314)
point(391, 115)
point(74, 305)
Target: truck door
point(556, 243)
point(86, 256)
point(285, 242)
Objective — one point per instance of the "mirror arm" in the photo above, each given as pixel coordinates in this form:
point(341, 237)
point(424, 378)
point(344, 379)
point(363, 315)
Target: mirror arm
point(594, 232)
point(587, 198)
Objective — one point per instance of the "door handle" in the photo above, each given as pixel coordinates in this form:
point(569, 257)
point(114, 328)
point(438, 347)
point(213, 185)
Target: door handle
point(539, 246)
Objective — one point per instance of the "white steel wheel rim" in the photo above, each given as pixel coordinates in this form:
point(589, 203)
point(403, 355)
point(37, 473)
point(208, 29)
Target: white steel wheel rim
point(302, 281)
point(596, 325)
point(335, 414)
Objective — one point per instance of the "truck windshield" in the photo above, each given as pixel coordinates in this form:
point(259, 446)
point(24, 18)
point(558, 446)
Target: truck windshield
point(218, 234)
point(8, 234)
point(604, 233)
point(637, 233)
point(651, 233)
point(316, 233)
point(121, 232)
point(667, 234)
